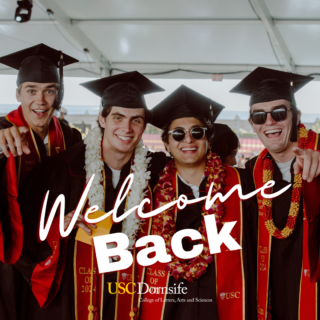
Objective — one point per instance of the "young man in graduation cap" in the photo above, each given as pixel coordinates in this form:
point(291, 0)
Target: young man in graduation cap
point(288, 225)
point(31, 132)
point(28, 135)
point(111, 152)
point(215, 287)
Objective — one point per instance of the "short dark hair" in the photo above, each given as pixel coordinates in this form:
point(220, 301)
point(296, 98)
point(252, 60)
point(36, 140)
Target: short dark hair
point(225, 144)
point(165, 133)
point(106, 110)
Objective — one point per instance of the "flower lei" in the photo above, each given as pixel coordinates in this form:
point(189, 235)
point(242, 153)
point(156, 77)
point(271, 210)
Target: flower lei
point(164, 224)
point(95, 165)
point(268, 171)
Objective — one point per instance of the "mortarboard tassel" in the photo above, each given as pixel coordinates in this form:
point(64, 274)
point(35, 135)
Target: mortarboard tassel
point(294, 132)
point(212, 125)
point(61, 88)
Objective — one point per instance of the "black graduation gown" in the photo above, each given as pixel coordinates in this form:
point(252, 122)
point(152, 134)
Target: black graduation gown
point(286, 254)
point(10, 279)
point(65, 174)
point(205, 286)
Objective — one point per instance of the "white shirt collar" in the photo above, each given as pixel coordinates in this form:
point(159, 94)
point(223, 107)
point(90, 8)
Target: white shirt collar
point(195, 189)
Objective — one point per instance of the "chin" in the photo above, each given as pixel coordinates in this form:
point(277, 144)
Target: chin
point(275, 148)
point(125, 149)
point(190, 161)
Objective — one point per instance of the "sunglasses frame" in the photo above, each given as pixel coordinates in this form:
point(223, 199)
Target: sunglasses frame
point(264, 112)
point(185, 133)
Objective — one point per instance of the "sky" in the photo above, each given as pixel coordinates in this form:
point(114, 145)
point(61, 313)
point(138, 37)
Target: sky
point(308, 98)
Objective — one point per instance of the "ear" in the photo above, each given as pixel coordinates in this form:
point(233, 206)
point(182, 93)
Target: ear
point(102, 120)
point(18, 97)
point(251, 124)
point(207, 145)
point(166, 146)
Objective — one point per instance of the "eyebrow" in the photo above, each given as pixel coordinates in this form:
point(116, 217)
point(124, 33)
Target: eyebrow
point(122, 115)
point(276, 107)
point(34, 86)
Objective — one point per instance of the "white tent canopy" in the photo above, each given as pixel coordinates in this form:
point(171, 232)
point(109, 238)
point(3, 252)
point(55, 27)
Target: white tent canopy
point(232, 37)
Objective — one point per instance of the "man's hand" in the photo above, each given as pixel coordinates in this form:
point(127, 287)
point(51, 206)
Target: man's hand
point(14, 138)
point(307, 161)
point(80, 223)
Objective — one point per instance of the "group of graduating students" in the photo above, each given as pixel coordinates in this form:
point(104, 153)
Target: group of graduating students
point(274, 275)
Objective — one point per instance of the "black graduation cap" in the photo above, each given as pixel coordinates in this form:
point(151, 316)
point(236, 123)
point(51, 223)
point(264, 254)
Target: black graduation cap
point(124, 90)
point(264, 85)
point(39, 64)
point(184, 103)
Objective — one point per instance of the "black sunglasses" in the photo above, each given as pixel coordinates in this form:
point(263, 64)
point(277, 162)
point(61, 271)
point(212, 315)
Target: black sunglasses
point(260, 117)
point(196, 133)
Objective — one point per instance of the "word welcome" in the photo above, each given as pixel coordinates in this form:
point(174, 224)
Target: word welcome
point(215, 239)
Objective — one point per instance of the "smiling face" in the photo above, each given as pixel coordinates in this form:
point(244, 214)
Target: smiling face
point(123, 129)
point(274, 135)
point(189, 152)
point(37, 101)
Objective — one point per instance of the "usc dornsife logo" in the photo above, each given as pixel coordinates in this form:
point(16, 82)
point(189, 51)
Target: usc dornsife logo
point(230, 295)
point(142, 287)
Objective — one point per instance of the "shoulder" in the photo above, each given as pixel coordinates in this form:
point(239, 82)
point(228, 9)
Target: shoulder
point(71, 135)
point(4, 123)
point(246, 177)
point(251, 163)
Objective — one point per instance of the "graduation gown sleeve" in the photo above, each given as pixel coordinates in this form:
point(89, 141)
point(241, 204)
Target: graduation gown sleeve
point(42, 263)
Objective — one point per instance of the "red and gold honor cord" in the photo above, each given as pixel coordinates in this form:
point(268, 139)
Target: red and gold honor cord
point(268, 171)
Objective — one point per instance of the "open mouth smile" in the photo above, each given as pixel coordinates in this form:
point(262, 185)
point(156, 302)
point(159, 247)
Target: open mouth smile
point(273, 133)
point(189, 150)
point(40, 113)
point(124, 138)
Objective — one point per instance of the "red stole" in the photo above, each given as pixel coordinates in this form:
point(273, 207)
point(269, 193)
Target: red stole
point(90, 285)
point(26, 163)
point(308, 289)
point(56, 142)
point(230, 282)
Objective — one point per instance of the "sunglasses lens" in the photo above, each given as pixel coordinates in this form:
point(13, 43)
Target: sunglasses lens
point(178, 135)
point(279, 114)
point(258, 117)
point(197, 133)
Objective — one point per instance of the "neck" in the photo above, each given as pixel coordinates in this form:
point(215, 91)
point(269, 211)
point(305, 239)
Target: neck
point(40, 131)
point(192, 175)
point(115, 160)
point(286, 155)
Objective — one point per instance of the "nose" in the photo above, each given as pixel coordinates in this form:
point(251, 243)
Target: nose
point(234, 161)
point(40, 98)
point(270, 120)
point(126, 126)
point(188, 138)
